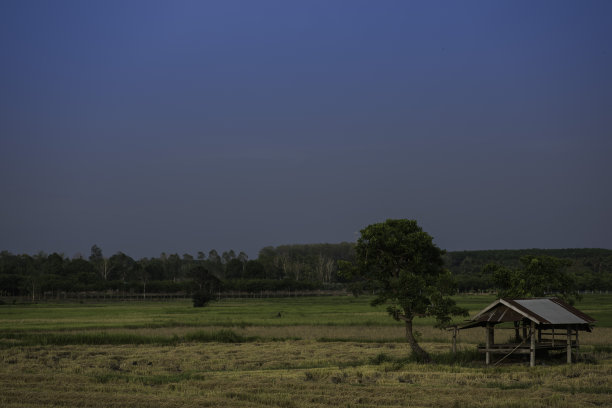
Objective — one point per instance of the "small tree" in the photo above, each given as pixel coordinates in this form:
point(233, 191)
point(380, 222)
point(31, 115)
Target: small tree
point(201, 298)
point(101, 263)
point(205, 285)
point(401, 264)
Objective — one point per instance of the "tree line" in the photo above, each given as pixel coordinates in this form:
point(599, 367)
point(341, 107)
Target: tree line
point(588, 268)
point(281, 268)
point(287, 267)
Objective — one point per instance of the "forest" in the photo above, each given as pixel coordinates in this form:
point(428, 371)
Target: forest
point(299, 267)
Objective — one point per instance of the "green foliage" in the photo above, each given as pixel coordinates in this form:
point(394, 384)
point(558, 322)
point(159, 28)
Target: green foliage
point(206, 285)
point(400, 262)
point(537, 277)
point(201, 298)
point(405, 270)
point(590, 267)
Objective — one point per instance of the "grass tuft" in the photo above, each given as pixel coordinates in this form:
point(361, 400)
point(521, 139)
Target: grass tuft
point(463, 357)
point(509, 385)
point(221, 336)
point(602, 348)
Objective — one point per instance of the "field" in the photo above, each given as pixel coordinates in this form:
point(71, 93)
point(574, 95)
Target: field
point(297, 352)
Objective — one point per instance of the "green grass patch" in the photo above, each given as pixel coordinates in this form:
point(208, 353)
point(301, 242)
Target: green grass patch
point(221, 336)
point(149, 380)
point(93, 339)
point(315, 311)
point(463, 358)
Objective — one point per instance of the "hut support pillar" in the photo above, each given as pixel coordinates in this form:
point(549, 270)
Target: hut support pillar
point(532, 347)
point(488, 345)
point(553, 337)
point(569, 345)
point(577, 345)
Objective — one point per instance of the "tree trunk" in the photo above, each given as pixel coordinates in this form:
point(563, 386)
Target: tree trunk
point(421, 354)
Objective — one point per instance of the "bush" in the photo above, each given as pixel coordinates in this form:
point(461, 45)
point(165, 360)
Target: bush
point(201, 298)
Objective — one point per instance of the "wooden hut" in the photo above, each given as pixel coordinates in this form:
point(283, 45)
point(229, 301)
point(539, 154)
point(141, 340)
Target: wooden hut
point(540, 324)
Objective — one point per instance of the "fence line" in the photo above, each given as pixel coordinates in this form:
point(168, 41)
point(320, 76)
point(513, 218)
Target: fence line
point(114, 296)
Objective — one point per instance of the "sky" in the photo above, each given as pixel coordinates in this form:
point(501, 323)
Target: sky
point(184, 126)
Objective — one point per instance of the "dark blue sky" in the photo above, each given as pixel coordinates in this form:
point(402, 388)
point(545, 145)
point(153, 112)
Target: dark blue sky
point(180, 126)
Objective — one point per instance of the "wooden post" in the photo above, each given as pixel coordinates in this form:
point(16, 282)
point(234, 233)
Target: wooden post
point(455, 340)
point(577, 346)
point(553, 336)
point(524, 330)
point(488, 345)
point(569, 345)
point(532, 348)
point(539, 334)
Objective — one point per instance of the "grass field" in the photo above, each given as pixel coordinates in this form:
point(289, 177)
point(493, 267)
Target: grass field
point(297, 352)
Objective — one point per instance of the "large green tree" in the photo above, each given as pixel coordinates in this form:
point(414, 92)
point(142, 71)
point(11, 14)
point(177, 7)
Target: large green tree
point(402, 265)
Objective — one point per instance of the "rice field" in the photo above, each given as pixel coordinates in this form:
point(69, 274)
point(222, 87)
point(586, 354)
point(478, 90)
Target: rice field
point(298, 352)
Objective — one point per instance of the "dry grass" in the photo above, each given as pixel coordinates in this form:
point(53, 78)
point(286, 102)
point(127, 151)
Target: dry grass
point(297, 361)
point(285, 374)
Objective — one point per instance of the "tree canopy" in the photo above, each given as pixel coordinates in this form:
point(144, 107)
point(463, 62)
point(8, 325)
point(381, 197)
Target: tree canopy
point(538, 276)
point(402, 265)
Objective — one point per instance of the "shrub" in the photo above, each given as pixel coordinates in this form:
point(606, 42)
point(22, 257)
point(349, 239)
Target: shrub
point(201, 298)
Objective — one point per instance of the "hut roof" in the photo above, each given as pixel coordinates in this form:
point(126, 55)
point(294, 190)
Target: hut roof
point(547, 311)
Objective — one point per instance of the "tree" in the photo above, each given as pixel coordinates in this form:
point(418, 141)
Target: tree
point(254, 270)
point(538, 276)
point(205, 286)
point(142, 271)
point(213, 256)
point(174, 267)
point(405, 269)
point(227, 256)
point(234, 269)
point(123, 266)
point(243, 258)
point(100, 262)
